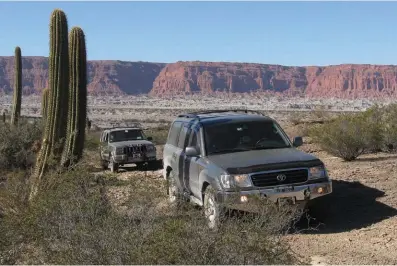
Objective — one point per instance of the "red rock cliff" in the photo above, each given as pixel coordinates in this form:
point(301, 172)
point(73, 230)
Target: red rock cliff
point(119, 77)
point(338, 81)
point(104, 77)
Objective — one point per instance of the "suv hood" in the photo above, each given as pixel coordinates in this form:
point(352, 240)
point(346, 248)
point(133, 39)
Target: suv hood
point(262, 160)
point(130, 143)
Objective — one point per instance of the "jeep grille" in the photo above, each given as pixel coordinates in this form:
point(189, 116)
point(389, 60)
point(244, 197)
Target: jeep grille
point(270, 178)
point(140, 148)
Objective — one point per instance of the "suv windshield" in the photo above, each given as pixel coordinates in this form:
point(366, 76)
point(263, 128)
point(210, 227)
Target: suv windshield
point(243, 136)
point(125, 135)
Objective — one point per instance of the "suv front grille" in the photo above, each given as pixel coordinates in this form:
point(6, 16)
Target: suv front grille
point(270, 178)
point(135, 149)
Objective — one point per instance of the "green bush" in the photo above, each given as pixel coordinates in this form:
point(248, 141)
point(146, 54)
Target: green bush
point(18, 144)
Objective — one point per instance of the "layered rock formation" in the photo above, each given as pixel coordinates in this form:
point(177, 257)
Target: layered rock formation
point(118, 78)
point(104, 77)
point(330, 81)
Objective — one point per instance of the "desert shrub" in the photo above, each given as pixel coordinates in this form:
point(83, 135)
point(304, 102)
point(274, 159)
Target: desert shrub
point(344, 137)
point(73, 220)
point(92, 140)
point(159, 134)
point(389, 119)
point(351, 135)
point(19, 144)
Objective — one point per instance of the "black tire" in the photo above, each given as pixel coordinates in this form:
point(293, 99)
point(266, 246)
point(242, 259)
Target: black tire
point(114, 167)
point(213, 212)
point(104, 164)
point(174, 192)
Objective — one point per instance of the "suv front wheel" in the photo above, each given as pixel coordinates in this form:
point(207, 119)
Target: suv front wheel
point(213, 212)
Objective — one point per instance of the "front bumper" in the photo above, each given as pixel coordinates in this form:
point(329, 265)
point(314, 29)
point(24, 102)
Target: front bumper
point(298, 194)
point(125, 159)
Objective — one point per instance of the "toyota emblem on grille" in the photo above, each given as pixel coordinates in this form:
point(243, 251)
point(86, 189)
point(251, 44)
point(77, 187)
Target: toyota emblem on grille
point(281, 177)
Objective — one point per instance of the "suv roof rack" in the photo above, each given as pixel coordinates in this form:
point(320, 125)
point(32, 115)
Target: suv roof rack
point(134, 125)
point(196, 114)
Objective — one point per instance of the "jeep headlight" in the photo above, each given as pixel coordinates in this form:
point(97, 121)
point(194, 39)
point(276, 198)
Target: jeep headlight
point(317, 172)
point(119, 150)
point(233, 181)
point(150, 148)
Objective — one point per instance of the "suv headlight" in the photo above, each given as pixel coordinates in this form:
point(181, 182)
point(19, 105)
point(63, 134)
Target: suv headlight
point(233, 181)
point(317, 172)
point(119, 150)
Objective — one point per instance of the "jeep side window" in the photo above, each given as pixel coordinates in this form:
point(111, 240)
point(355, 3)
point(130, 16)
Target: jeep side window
point(174, 132)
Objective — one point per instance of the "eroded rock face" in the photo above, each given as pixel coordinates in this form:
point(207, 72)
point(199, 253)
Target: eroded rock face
point(104, 77)
point(119, 77)
point(330, 81)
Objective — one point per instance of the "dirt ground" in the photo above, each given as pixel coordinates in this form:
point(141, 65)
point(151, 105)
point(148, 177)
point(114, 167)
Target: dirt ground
point(356, 224)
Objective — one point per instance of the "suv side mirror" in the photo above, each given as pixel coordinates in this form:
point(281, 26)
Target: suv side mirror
point(298, 141)
point(191, 151)
point(149, 138)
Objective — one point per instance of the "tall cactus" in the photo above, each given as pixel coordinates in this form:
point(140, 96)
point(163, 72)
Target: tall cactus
point(77, 114)
point(58, 85)
point(16, 107)
point(44, 104)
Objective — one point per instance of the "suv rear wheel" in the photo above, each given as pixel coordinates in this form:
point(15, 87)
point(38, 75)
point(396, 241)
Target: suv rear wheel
point(174, 192)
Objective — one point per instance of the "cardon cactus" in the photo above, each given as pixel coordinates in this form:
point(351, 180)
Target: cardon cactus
point(58, 85)
point(16, 106)
point(44, 103)
point(77, 115)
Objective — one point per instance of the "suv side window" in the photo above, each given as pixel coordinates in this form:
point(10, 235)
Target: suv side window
point(183, 136)
point(194, 139)
point(105, 139)
point(174, 132)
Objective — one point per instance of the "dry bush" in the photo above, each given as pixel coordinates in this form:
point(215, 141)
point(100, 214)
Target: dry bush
point(344, 137)
point(19, 144)
point(351, 135)
point(72, 221)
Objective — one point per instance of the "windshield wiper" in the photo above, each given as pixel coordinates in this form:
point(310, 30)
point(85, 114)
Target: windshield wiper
point(230, 150)
point(269, 147)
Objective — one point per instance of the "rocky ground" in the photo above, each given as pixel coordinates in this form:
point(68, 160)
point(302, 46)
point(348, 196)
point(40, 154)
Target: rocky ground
point(356, 224)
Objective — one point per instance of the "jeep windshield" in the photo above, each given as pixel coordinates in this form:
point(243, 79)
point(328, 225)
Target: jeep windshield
point(244, 136)
point(126, 135)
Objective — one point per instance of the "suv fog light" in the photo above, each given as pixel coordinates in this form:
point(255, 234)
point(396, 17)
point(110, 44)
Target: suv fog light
point(320, 190)
point(243, 198)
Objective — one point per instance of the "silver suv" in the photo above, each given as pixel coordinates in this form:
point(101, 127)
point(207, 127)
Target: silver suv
point(214, 156)
point(125, 145)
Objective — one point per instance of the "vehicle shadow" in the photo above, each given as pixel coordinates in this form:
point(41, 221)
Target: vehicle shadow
point(352, 205)
point(154, 166)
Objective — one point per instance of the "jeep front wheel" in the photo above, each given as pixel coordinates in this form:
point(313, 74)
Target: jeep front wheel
point(114, 167)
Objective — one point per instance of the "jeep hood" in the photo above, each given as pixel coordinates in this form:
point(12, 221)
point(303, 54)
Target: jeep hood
point(262, 160)
point(130, 143)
